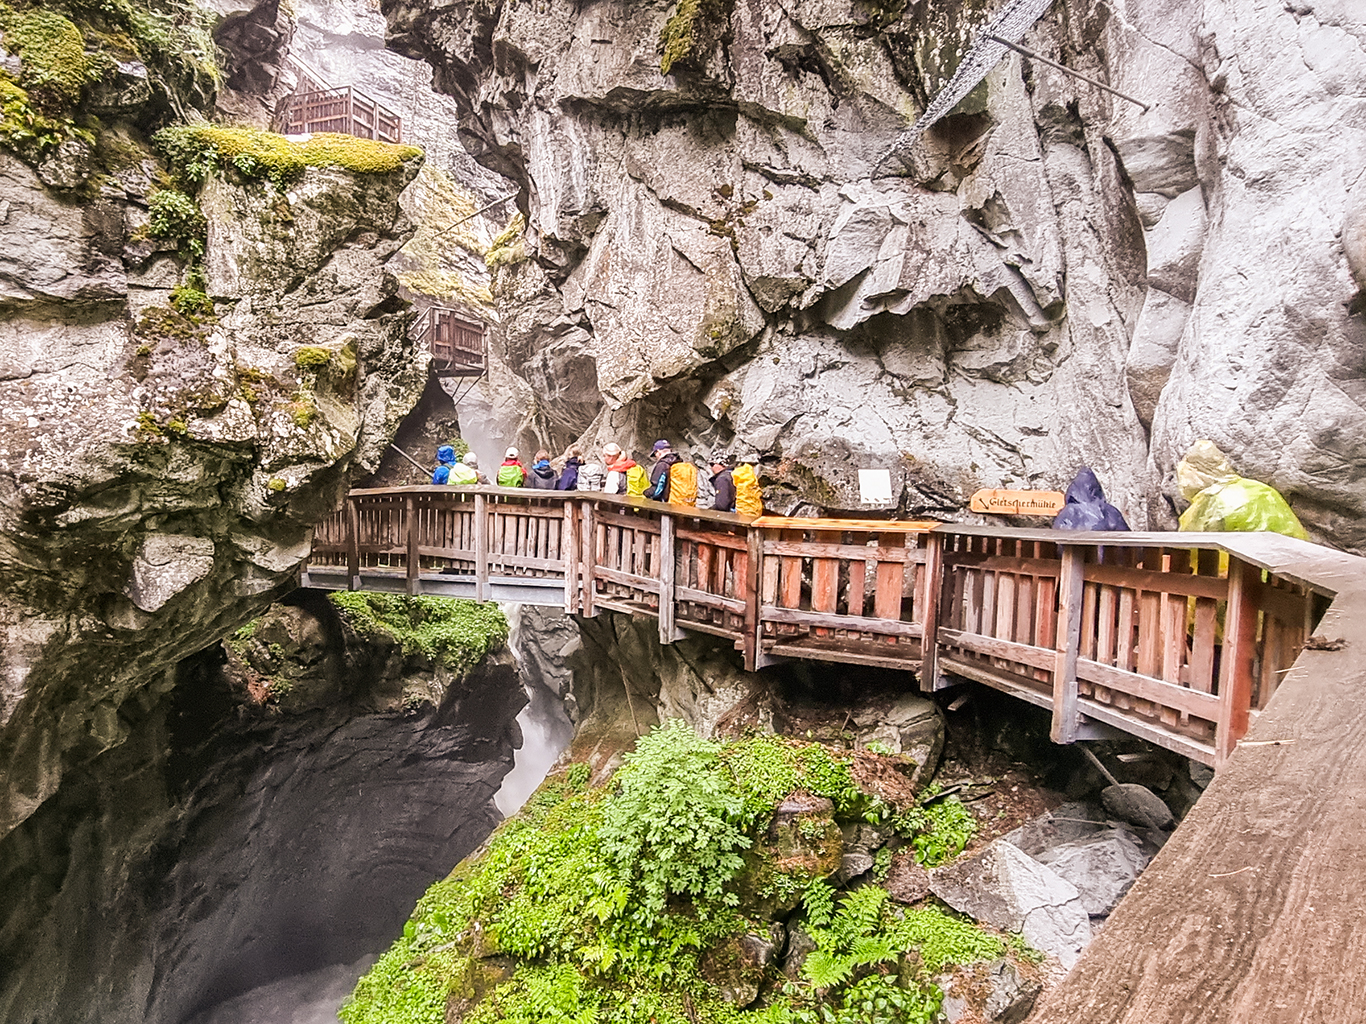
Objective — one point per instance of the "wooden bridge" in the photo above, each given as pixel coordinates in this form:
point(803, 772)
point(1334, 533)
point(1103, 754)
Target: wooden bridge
point(1180, 639)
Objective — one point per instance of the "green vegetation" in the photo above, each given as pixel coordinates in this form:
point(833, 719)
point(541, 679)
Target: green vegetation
point(199, 150)
point(312, 357)
point(683, 32)
point(938, 832)
point(173, 214)
point(625, 903)
point(55, 65)
point(510, 246)
point(456, 634)
point(276, 484)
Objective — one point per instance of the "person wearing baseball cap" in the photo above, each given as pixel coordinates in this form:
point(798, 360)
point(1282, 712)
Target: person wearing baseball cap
point(659, 473)
point(722, 482)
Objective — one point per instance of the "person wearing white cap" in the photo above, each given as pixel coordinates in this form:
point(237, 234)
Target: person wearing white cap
point(511, 473)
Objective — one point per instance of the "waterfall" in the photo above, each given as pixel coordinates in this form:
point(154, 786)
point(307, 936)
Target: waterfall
point(546, 729)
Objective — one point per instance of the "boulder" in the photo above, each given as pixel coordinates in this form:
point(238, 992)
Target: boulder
point(1003, 887)
point(906, 881)
point(1067, 823)
point(1137, 805)
point(1102, 866)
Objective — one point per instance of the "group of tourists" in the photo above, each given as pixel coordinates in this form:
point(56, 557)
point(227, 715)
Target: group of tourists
point(671, 477)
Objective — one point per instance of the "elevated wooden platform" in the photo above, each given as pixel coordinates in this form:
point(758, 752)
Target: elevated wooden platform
point(1181, 639)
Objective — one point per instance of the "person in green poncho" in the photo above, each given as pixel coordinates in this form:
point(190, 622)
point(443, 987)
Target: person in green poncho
point(1221, 500)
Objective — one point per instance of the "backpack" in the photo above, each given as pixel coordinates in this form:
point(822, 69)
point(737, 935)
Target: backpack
point(510, 476)
point(461, 474)
point(682, 484)
point(637, 481)
point(749, 500)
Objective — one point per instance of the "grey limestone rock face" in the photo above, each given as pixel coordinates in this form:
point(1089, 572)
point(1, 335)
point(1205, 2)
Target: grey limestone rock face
point(1054, 277)
point(1102, 867)
point(160, 475)
point(1003, 887)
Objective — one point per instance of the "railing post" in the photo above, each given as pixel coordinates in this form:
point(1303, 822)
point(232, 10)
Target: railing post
point(754, 553)
point(589, 561)
point(569, 548)
point(481, 548)
point(667, 567)
point(410, 510)
point(929, 618)
point(1071, 584)
point(352, 544)
point(1235, 666)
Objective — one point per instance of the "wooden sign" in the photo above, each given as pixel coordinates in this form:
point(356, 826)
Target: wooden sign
point(1018, 503)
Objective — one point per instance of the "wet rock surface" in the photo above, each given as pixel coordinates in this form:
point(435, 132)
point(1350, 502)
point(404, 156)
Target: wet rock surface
point(1083, 303)
point(263, 817)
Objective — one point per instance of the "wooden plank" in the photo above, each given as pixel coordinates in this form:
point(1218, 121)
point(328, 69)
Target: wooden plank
point(906, 663)
point(994, 647)
point(709, 600)
point(626, 579)
point(996, 678)
point(526, 562)
point(1002, 501)
point(1283, 604)
point(705, 554)
point(858, 623)
point(887, 585)
point(1004, 563)
point(1240, 648)
point(1107, 605)
point(830, 549)
point(649, 524)
point(352, 545)
point(1071, 581)
point(1163, 582)
point(790, 581)
point(667, 569)
point(1090, 601)
point(1149, 633)
point(588, 561)
point(1005, 606)
point(771, 567)
point(481, 548)
point(934, 586)
point(825, 577)
point(847, 525)
point(754, 572)
point(857, 588)
point(721, 540)
point(1179, 698)
point(569, 538)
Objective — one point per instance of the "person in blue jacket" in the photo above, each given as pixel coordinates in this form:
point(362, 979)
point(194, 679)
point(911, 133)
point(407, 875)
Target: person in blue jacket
point(445, 459)
point(1086, 507)
point(569, 478)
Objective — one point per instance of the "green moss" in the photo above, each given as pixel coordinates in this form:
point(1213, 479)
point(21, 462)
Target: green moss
point(312, 357)
point(190, 300)
point(276, 485)
point(303, 410)
point(56, 67)
point(679, 39)
point(510, 245)
point(196, 151)
point(26, 131)
point(456, 634)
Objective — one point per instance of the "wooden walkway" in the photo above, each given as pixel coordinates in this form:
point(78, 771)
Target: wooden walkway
point(1181, 639)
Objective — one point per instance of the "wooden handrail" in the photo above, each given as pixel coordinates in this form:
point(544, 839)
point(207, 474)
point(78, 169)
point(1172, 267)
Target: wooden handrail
point(1137, 631)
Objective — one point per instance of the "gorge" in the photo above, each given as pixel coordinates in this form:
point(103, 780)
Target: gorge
point(204, 344)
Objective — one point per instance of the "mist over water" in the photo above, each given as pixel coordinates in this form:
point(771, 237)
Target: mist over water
point(314, 998)
point(546, 731)
point(311, 998)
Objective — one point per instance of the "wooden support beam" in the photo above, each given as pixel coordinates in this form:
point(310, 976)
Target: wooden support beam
point(754, 556)
point(1235, 667)
point(1071, 580)
point(414, 560)
point(589, 561)
point(352, 544)
point(569, 551)
point(668, 566)
point(481, 548)
point(929, 610)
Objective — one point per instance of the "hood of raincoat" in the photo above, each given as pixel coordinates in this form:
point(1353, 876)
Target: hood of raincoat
point(445, 455)
point(1085, 489)
point(1203, 466)
point(1086, 507)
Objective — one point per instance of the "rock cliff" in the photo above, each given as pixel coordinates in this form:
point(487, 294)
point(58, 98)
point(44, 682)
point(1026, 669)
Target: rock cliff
point(199, 348)
point(1052, 276)
point(276, 806)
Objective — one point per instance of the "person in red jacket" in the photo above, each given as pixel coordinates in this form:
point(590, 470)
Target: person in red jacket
point(618, 464)
point(511, 473)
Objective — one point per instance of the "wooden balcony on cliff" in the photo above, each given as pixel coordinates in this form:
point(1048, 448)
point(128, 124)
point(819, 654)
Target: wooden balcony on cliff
point(455, 341)
point(317, 106)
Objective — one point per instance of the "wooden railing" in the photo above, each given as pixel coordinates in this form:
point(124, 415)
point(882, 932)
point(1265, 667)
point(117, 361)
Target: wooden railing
point(345, 110)
point(1178, 638)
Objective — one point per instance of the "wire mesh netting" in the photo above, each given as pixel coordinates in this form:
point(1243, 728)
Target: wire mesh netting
point(1011, 22)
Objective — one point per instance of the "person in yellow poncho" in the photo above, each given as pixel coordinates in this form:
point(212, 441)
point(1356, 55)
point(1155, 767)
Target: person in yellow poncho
point(1222, 500)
